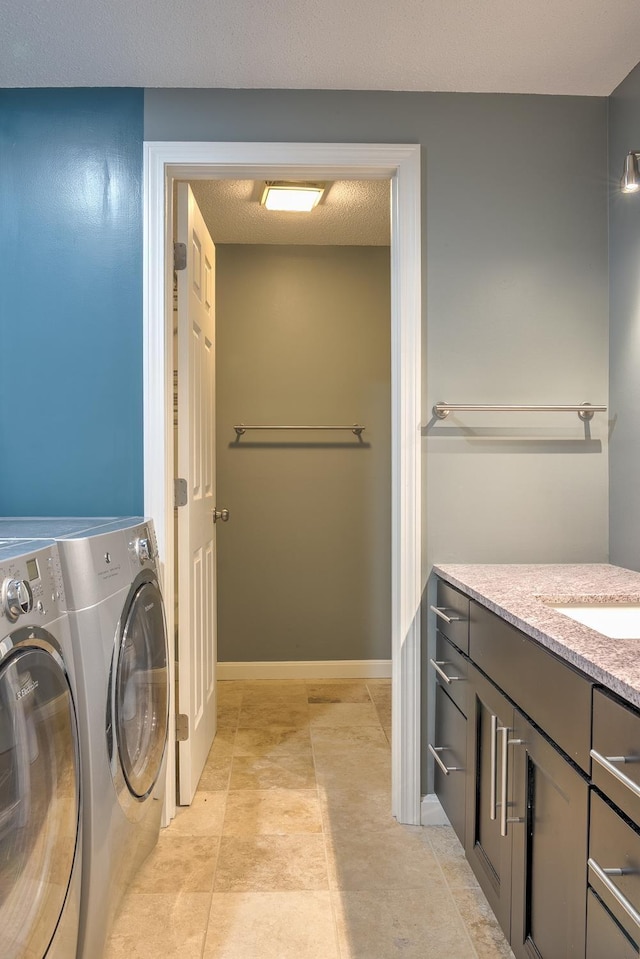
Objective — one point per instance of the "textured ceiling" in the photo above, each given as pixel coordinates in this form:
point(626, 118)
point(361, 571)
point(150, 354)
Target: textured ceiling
point(351, 213)
point(550, 46)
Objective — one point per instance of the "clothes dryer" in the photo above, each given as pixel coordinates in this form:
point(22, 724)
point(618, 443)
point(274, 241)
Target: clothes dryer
point(120, 646)
point(40, 782)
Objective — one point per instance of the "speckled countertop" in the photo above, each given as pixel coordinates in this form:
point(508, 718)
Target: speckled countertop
point(519, 593)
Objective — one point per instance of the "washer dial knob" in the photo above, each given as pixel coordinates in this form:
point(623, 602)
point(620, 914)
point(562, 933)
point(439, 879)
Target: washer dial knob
point(16, 598)
point(143, 549)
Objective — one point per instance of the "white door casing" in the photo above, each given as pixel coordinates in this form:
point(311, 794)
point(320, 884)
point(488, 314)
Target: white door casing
point(196, 465)
point(165, 162)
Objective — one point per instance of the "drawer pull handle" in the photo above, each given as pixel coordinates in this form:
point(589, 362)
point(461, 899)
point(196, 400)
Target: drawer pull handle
point(437, 664)
point(434, 750)
point(603, 876)
point(448, 619)
point(607, 762)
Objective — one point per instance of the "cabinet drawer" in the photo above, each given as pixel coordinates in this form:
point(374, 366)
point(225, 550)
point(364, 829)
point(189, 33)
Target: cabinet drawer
point(615, 845)
point(616, 736)
point(553, 694)
point(450, 663)
point(453, 606)
point(604, 935)
point(450, 747)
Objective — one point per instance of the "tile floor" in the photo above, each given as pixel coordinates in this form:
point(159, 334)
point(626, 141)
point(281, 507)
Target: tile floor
point(289, 850)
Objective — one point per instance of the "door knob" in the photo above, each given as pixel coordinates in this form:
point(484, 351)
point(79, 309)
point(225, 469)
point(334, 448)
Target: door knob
point(220, 514)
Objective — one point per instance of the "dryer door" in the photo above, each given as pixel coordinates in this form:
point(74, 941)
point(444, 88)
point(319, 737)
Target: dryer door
point(39, 798)
point(142, 691)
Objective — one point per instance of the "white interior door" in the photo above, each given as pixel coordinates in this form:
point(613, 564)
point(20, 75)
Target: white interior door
point(196, 553)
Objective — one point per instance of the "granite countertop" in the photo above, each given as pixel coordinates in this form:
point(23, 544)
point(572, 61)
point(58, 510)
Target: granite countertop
point(518, 593)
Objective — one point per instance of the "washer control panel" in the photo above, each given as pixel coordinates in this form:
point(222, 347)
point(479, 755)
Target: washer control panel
point(31, 585)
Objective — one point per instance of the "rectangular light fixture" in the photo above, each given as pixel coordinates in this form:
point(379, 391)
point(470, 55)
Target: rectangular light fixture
point(291, 197)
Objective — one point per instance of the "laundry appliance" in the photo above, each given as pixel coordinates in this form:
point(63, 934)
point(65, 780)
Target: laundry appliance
point(118, 632)
point(40, 781)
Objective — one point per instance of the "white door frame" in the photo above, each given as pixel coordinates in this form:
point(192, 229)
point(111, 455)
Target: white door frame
point(165, 162)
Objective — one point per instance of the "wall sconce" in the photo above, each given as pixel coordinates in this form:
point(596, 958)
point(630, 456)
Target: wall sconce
point(630, 182)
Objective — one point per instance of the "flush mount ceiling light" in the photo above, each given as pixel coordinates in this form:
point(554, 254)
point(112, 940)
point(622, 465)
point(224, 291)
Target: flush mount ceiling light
point(630, 182)
point(291, 197)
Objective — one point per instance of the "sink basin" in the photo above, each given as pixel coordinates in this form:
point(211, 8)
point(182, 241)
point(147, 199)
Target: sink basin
point(615, 621)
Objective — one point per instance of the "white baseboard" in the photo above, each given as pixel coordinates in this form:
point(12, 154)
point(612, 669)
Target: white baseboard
point(431, 812)
point(321, 669)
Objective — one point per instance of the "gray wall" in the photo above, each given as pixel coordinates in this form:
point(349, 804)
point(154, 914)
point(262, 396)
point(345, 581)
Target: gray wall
point(515, 294)
point(624, 250)
point(303, 336)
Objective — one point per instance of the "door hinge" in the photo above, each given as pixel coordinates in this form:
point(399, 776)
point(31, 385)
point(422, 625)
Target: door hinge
point(182, 727)
point(179, 256)
point(180, 495)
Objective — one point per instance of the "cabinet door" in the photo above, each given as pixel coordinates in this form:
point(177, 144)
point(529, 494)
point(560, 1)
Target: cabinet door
point(604, 936)
point(550, 819)
point(489, 722)
point(450, 753)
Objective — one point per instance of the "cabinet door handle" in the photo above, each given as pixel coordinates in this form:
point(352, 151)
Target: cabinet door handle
point(439, 611)
point(504, 732)
point(607, 763)
point(493, 769)
point(434, 750)
point(437, 664)
point(504, 772)
point(613, 889)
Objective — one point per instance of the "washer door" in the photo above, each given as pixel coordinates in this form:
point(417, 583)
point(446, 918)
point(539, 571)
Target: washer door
point(142, 691)
point(39, 799)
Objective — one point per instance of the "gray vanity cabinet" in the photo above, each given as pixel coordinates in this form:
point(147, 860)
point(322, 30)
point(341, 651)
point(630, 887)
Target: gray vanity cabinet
point(488, 845)
point(549, 819)
point(527, 815)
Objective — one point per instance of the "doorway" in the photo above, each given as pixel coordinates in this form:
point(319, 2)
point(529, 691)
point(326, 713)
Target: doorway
point(167, 162)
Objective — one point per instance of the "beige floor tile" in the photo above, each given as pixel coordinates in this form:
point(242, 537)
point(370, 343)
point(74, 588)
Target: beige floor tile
point(384, 714)
point(379, 693)
point(204, 817)
point(271, 741)
point(179, 864)
point(482, 926)
point(450, 856)
point(286, 771)
point(387, 732)
point(388, 857)
point(284, 812)
point(338, 738)
point(228, 693)
point(401, 924)
point(217, 769)
point(274, 713)
point(354, 808)
point(228, 715)
point(355, 770)
point(271, 864)
point(338, 693)
point(271, 925)
point(171, 926)
point(343, 714)
point(274, 692)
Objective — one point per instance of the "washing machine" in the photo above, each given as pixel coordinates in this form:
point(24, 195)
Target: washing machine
point(40, 781)
point(119, 642)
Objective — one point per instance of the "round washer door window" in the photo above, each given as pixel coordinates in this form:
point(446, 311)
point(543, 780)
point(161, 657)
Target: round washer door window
point(39, 793)
point(142, 691)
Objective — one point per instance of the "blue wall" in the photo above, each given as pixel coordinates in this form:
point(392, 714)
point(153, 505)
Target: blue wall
point(71, 302)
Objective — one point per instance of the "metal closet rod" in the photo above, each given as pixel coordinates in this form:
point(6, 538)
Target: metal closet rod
point(584, 410)
point(241, 428)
